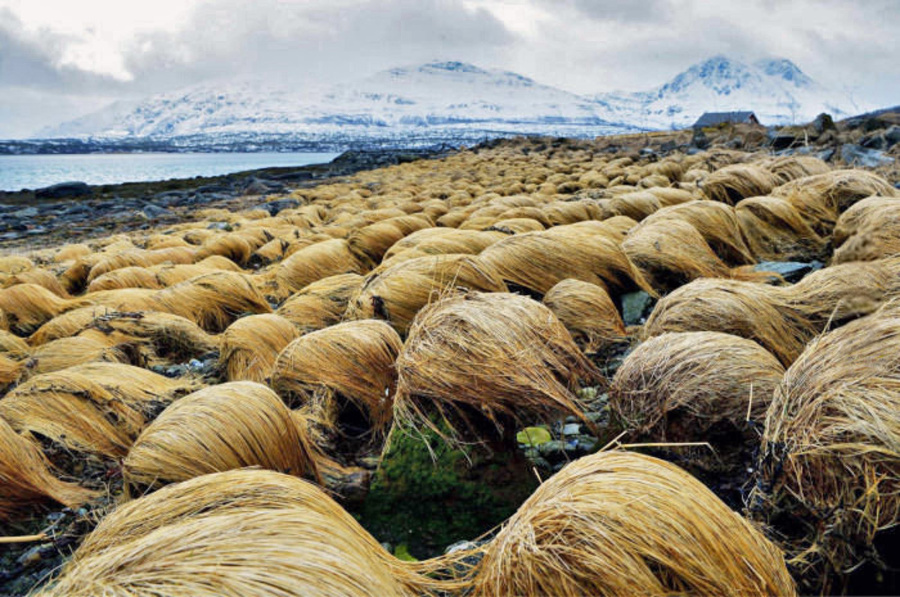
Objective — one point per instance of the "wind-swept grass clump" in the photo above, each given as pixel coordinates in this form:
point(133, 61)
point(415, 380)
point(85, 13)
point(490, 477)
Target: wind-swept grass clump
point(717, 224)
point(686, 386)
point(440, 241)
point(867, 231)
point(342, 376)
point(750, 310)
point(248, 532)
point(792, 167)
point(588, 313)
point(371, 242)
point(161, 336)
point(26, 480)
point(501, 356)
point(213, 301)
point(10, 371)
point(219, 428)
point(537, 261)
point(739, 181)
point(77, 350)
point(397, 293)
point(141, 258)
point(618, 523)
point(671, 253)
point(312, 263)
point(28, 306)
point(233, 247)
point(322, 303)
point(39, 277)
point(830, 458)
point(250, 345)
point(775, 231)
point(98, 408)
point(12, 346)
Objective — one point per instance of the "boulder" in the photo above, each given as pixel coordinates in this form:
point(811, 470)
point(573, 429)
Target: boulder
point(64, 190)
point(857, 155)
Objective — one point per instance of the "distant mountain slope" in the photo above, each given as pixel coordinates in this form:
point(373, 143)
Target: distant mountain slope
point(447, 100)
point(776, 90)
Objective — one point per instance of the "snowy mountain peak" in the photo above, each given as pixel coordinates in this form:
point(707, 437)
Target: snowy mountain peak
point(784, 69)
point(719, 73)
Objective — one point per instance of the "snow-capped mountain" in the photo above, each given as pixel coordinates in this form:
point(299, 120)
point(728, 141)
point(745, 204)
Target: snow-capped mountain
point(441, 101)
point(776, 90)
point(434, 96)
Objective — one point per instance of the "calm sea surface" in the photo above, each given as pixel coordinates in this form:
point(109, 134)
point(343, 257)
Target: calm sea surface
point(34, 171)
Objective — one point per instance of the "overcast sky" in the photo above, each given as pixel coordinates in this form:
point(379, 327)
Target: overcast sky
point(62, 58)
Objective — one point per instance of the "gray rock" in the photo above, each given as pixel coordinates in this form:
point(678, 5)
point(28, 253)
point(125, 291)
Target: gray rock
point(257, 187)
point(791, 271)
point(636, 306)
point(892, 136)
point(571, 429)
point(154, 211)
point(552, 447)
point(28, 212)
point(274, 207)
point(857, 155)
point(826, 154)
point(823, 122)
point(64, 190)
point(874, 142)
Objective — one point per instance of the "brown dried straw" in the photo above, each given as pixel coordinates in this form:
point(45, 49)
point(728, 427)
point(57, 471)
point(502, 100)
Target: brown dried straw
point(250, 345)
point(588, 313)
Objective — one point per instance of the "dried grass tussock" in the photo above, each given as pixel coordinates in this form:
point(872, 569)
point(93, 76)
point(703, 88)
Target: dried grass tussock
point(502, 356)
point(68, 352)
point(671, 253)
point(28, 306)
point(867, 231)
point(98, 408)
point(681, 386)
point(312, 263)
point(223, 427)
point(716, 222)
point(250, 345)
point(213, 301)
point(739, 181)
point(618, 523)
point(774, 230)
point(346, 365)
point(831, 445)
point(750, 310)
point(397, 293)
point(322, 303)
point(237, 533)
point(588, 313)
point(26, 479)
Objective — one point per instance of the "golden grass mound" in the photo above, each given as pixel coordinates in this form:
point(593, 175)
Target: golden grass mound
point(213, 301)
point(503, 356)
point(588, 313)
point(837, 190)
point(775, 231)
point(866, 213)
point(68, 352)
point(792, 167)
point(397, 293)
point(98, 408)
point(247, 532)
point(671, 253)
point(322, 303)
point(750, 310)
point(618, 523)
point(739, 181)
point(312, 263)
point(26, 480)
point(126, 277)
point(441, 241)
point(682, 387)
point(28, 306)
point(344, 368)
point(371, 242)
point(716, 222)
point(867, 231)
point(141, 258)
point(537, 261)
point(39, 277)
point(10, 372)
point(831, 445)
point(160, 336)
point(12, 346)
point(219, 428)
point(67, 324)
point(251, 344)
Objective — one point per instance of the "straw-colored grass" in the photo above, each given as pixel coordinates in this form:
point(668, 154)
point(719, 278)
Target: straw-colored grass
point(831, 445)
point(588, 313)
point(717, 224)
point(679, 387)
point(617, 523)
point(40, 277)
point(669, 253)
point(67, 324)
point(312, 263)
point(537, 261)
point(234, 247)
point(219, 428)
point(501, 356)
point(213, 301)
point(867, 231)
point(141, 258)
point(10, 372)
point(739, 181)
point(248, 532)
point(322, 303)
point(440, 241)
point(249, 347)
point(15, 264)
point(397, 293)
point(371, 242)
point(792, 167)
point(350, 364)
point(26, 480)
point(750, 310)
point(13, 347)
point(28, 306)
point(774, 230)
point(97, 408)
point(837, 190)
point(865, 214)
point(161, 336)
point(68, 352)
